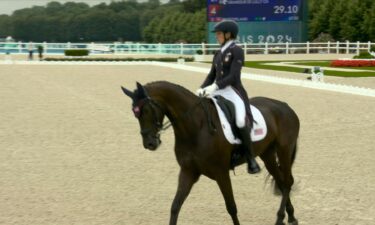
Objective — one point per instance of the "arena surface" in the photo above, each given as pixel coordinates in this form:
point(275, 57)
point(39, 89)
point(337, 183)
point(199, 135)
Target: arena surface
point(71, 153)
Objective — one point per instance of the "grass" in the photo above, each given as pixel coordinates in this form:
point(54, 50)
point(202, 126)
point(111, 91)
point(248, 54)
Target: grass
point(327, 64)
point(309, 64)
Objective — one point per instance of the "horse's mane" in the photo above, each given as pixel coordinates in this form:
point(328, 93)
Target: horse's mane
point(160, 84)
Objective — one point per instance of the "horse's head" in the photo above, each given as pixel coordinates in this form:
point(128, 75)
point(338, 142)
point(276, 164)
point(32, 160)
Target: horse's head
point(149, 114)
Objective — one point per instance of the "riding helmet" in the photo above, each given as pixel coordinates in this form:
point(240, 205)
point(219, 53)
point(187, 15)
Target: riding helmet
point(227, 26)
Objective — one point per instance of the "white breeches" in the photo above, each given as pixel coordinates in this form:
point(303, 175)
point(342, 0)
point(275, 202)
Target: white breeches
point(230, 94)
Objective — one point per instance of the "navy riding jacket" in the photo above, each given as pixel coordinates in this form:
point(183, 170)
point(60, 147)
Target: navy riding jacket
point(226, 70)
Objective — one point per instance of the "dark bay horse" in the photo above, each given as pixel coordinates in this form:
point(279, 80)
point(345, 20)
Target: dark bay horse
point(201, 151)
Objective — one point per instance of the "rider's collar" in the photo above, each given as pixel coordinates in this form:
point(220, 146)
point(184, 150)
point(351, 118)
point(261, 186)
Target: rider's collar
point(226, 45)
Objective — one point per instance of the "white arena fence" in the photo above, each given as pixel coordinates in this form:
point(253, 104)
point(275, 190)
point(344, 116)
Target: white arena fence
point(264, 78)
point(190, 49)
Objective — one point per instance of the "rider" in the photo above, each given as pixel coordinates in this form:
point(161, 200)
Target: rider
point(226, 70)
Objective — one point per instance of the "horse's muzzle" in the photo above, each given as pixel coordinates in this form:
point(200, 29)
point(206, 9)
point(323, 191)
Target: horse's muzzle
point(152, 143)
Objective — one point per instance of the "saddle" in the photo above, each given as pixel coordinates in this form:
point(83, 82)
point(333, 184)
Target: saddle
point(225, 101)
point(229, 111)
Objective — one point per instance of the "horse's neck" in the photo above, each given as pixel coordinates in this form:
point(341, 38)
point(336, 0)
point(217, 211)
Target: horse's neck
point(178, 105)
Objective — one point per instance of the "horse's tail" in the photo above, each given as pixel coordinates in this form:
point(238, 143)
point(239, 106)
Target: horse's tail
point(276, 189)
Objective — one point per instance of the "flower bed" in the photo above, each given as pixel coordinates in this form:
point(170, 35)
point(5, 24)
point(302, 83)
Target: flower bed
point(353, 63)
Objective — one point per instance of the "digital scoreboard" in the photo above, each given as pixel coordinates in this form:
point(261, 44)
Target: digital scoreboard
point(254, 10)
point(272, 21)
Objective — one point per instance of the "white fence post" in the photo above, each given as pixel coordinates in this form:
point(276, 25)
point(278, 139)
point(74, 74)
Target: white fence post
point(308, 47)
point(337, 47)
point(115, 47)
point(266, 48)
point(204, 48)
point(329, 47)
point(181, 48)
point(20, 46)
point(45, 47)
point(358, 48)
point(287, 47)
point(369, 46)
point(159, 47)
point(347, 47)
point(245, 47)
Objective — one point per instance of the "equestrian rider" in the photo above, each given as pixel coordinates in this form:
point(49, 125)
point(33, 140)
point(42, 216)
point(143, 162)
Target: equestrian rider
point(226, 70)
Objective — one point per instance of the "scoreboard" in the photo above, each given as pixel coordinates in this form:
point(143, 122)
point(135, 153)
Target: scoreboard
point(254, 10)
point(261, 20)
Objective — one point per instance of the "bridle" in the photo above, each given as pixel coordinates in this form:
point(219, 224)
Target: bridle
point(137, 110)
point(161, 127)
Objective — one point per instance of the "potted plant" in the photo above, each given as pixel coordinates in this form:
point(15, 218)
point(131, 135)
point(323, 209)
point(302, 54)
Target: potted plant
point(181, 60)
point(40, 51)
point(198, 57)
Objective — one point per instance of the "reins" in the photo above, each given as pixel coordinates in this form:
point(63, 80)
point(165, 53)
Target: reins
point(168, 124)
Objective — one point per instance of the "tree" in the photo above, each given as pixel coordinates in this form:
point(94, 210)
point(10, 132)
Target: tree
point(6, 26)
point(351, 22)
point(335, 19)
point(370, 23)
point(192, 6)
point(320, 23)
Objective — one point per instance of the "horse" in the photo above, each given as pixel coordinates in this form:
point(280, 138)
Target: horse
point(203, 150)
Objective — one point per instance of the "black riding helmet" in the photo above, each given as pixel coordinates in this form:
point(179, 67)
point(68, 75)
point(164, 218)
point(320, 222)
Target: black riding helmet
point(227, 26)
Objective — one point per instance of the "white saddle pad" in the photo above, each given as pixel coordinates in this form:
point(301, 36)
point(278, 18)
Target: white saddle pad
point(258, 132)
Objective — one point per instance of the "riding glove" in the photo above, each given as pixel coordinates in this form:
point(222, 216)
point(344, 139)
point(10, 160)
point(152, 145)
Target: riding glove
point(199, 92)
point(210, 89)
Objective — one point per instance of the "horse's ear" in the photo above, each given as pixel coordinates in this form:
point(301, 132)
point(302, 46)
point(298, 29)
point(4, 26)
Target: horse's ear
point(141, 91)
point(127, 92)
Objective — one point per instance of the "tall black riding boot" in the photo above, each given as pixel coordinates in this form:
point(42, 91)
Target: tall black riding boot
point(252, 165)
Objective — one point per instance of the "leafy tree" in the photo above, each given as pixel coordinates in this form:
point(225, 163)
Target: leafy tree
point(370, 23)
point(6, 28)
point(320, 23)
point(351, 22)
point(194, 5)
point(335, 19)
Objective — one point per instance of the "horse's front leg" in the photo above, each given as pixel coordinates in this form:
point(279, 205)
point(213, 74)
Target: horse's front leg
point(226, 189)
point(185, 183)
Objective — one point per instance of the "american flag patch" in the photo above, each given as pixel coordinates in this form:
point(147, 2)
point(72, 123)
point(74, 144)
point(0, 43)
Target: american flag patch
point(258, 131)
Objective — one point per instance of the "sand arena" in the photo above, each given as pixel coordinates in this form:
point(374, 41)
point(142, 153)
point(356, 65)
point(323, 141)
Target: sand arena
point(71, 153)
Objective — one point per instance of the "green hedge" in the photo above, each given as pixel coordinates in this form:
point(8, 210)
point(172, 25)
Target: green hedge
point(118, 59)
point(364, 55)
point(76, 52)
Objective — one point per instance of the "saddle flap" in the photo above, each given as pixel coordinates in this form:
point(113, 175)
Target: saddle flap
point(226, 110)
point(227, 107)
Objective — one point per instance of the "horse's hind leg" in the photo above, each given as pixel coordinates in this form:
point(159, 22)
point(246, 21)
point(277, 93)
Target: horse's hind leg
point(282, 174)
point(270, 162)
point(186, 181)
point(285, 166)
point(225, 186)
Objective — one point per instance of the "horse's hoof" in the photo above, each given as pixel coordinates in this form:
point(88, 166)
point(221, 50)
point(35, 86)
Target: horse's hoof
point(280, 223)
point(295, 222)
